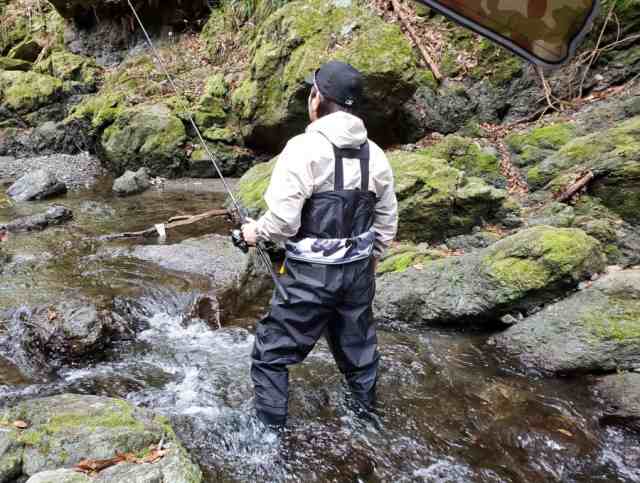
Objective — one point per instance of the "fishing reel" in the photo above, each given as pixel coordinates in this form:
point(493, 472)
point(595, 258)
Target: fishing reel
point(238, 240)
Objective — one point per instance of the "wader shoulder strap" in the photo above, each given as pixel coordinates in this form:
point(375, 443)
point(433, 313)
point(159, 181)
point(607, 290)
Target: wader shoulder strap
point(362, 154)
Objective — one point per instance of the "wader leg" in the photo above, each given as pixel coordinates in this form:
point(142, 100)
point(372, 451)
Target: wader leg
point(352, 335)
point(286, 336)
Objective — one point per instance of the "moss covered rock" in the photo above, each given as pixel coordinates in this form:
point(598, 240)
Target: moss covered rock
point(295, 40)
point(65, 429)
point(470, 156)
point(614, 157)
point(436, 200)
point(516, 273)
point(14, 64)
point(402, 256)
point(148, 135)
point(25, 92)
point(594, 330)
point(535, 145)
point(66, 66)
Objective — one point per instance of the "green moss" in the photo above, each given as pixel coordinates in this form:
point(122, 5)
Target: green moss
point(70, 67)
point(253, 185)
point(619, 321)
point(14, 64)
point(538, 257)
point(553, 136)
point(27, 91)
point(120, 417)
point(101, 110)
point(467, 155)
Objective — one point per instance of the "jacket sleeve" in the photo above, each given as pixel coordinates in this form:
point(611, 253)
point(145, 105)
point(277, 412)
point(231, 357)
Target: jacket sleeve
point(290, 185)
point(385, 222)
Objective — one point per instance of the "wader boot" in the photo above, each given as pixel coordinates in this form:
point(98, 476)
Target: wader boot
point(331, 284)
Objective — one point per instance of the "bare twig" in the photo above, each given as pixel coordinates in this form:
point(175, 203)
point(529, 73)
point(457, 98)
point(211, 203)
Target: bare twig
point(575, 187)
point(174, 222)
point(416, 40)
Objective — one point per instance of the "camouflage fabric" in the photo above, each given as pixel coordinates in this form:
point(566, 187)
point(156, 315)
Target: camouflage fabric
point(541, 31)
point(331, 251)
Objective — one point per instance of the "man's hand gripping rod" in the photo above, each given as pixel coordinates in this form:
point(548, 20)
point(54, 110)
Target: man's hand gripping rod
point(238, 239)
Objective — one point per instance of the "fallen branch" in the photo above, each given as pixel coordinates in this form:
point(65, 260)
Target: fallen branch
point(416, 40)
point(173, 222)
point(575, 187)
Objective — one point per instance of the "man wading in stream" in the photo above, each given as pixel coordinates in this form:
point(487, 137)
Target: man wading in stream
point(331, 200)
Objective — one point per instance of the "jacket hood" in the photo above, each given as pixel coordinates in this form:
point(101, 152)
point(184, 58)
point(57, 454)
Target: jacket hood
point(342, 129)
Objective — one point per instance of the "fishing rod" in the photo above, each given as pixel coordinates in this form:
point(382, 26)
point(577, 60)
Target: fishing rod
point(236, 235)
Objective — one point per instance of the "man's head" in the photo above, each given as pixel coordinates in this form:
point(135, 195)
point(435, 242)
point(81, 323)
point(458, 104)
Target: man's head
point(336, 86)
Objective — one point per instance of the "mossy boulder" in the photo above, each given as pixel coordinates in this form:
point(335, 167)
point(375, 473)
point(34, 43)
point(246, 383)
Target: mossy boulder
point(100, 110)
point(404, 255)
point(27, 50)
point(232, 160)
point(212, 106)
point(298, 38)
point(147, 135)
point(614, 157)
point(517, 273)
point(65, 429)
point(621, 240)
point(253, 185)
point(66, 66)
point(14, 64)
point(437, 201)
point(534, 146)
point(594, 330)
point(470, 156)
point(24, 92)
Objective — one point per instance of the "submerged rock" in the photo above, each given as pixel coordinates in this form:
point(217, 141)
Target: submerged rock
point(621, 395)
point(131, 183)
point(55, 215)
point(36, 185)
point(65, 429)
point(594, 330)
point(516, 273)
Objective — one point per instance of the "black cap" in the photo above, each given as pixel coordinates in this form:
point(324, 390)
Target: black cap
point(338, 82)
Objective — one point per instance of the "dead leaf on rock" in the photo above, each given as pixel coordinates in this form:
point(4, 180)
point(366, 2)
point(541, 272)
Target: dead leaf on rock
point(52, 314)
point(565, 432)
point(21, 424)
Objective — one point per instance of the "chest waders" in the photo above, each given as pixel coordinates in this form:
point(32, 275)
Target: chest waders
point(330, 281)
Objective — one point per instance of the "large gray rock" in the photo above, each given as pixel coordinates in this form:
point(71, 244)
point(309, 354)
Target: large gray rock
point(514, 274)
point(36, 185)
point(67, 331)
point(65, 429)
point(594, 330)
point(55, 215)
point(131, 183)
point(236, 278)
point(621, 395)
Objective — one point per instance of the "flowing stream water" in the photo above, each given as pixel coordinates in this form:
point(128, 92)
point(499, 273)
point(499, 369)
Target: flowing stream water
point(450, 410)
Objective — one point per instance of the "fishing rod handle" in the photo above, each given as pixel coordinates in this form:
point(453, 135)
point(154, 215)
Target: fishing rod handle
point(276, 281)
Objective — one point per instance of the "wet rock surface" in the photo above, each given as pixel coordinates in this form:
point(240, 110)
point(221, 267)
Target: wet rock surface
point(36, 185)
point(63, 430)
point(621, 395)
point(595, 330)
point(55, 215)
point(131, 183)
point(64, 332)
point(517, 273)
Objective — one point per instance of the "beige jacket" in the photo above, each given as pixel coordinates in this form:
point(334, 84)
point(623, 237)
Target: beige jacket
point(306, 166)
